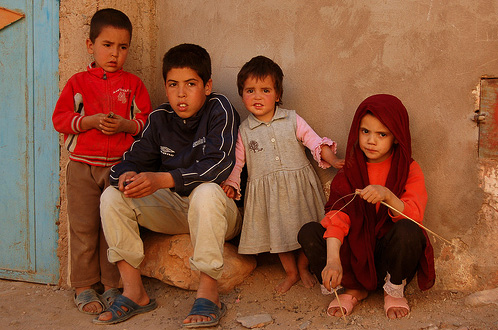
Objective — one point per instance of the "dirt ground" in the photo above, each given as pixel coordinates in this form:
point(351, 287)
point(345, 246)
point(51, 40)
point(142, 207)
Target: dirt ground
point(37, 306)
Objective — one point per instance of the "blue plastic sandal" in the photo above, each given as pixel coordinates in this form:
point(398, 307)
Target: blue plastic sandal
point(206, 307)
point(120, 314)
point(109, 296)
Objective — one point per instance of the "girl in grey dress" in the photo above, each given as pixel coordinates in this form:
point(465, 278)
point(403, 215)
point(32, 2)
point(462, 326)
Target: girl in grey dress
point(283, 191)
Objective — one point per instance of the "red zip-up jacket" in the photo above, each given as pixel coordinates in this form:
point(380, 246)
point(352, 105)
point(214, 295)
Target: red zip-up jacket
point(97, 91)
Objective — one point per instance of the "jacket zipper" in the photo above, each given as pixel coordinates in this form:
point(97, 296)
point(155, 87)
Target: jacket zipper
point(109, 99)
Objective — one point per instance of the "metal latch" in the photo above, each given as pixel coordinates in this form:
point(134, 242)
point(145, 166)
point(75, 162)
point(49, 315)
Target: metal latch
point(479, 117)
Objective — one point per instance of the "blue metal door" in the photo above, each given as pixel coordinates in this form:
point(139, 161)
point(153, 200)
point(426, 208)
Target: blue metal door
point(29, 152)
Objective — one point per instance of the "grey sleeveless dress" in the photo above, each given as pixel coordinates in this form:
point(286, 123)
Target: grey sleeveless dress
point(283, 191)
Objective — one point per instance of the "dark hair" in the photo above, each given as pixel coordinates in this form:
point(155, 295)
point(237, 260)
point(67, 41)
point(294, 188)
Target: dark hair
point(260, 67)
point(188, 56)
point(108, 17)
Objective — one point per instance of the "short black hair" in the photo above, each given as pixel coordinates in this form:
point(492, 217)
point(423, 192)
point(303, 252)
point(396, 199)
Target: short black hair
point(108, 17)
point(260, 67)
point(188, 56)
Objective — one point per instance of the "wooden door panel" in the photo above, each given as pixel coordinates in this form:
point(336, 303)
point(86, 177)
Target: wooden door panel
point(28, 144)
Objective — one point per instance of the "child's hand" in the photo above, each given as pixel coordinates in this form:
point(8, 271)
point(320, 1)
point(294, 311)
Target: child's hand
point(115, 124)
point(145, 183)
point(229, 190)
point(329, 156)
point(332, 272)
point(338, 163)
point(125, 179)
point(332, 275)
point(93, 121)
point(374, 193)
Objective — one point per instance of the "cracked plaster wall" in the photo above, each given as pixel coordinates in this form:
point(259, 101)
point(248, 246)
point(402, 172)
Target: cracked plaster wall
point(431, 54)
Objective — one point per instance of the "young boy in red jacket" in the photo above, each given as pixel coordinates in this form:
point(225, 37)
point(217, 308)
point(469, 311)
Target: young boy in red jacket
point(99, 111)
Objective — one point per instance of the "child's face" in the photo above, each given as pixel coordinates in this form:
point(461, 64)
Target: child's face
point(375, 140)
point(186, 92)
point(259, 97)
point(110, 48)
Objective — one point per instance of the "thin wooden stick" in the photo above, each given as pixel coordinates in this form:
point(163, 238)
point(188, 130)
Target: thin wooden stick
point(430, 231)
point(340, 306)
point(357, 192)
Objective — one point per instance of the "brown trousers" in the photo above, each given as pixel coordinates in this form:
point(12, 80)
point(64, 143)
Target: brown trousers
point(87, 245)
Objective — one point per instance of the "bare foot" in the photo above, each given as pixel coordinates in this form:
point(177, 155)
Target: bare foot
point(287, 283)
point(288, 260)
point(309, 280)
point(92, 307)
point(358, 294)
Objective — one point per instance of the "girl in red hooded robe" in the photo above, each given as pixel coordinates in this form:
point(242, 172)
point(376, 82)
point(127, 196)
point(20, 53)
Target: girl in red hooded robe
point(365, 245)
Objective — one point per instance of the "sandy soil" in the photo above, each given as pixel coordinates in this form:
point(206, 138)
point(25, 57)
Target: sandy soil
point(36, 306)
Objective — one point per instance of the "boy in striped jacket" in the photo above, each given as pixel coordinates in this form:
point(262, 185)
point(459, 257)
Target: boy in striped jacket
point(99, 111)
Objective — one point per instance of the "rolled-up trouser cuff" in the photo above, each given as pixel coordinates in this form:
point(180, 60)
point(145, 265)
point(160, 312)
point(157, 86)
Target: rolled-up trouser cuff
point(115, 254)
point(120, 228)
point(214, 272)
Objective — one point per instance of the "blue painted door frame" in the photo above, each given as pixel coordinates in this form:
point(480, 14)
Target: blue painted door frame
point(29, 148)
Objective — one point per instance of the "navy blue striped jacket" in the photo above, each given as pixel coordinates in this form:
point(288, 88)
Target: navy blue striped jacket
point(194, 150)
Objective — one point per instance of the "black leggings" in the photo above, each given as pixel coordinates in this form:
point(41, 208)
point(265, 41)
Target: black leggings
point(398, 252)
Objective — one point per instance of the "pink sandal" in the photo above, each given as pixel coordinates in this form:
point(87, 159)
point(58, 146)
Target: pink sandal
point(348, 302)
point(391, 302)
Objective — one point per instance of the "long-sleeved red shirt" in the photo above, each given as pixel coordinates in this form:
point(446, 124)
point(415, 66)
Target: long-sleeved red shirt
point(414, 199)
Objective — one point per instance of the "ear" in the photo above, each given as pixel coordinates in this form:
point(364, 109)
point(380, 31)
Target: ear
point(208, 87)
point(89, 46)
point(395, 141)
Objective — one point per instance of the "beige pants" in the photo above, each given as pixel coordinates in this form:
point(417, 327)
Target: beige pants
point(207, 214)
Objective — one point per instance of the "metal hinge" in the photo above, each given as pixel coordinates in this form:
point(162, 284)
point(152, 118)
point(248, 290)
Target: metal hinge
point(8, 17)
